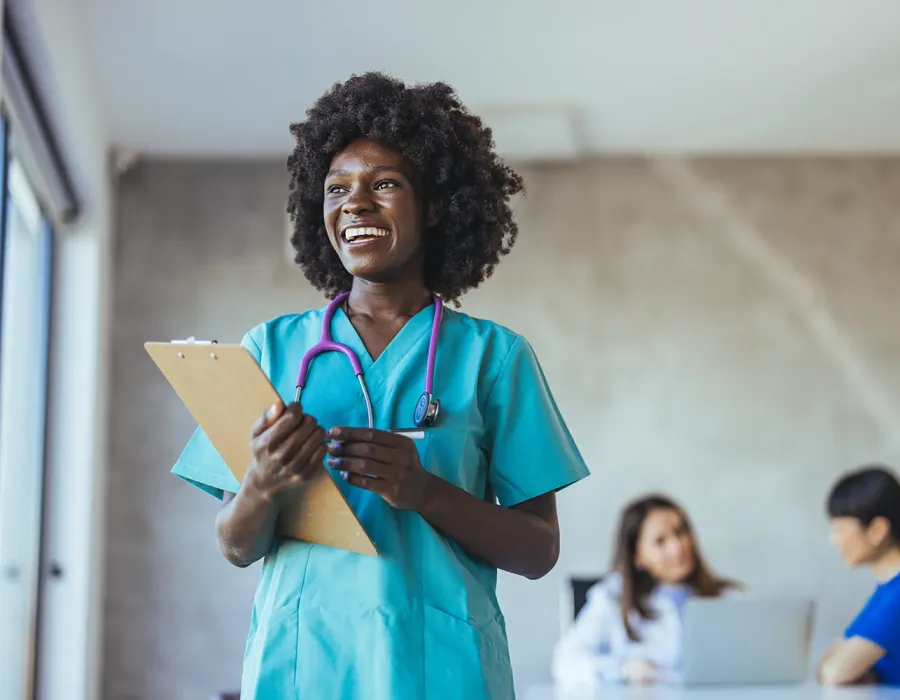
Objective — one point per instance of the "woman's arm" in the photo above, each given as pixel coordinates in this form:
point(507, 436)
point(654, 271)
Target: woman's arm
point(848, 662)
point(288, 448)
point(245, 526)
point(826, 656)
point(523, 540)
point(867, 640)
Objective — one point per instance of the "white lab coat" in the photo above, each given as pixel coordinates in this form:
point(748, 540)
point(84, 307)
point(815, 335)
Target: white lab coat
point(594, 648)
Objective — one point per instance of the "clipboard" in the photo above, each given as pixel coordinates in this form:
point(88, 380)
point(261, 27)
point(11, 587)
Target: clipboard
point(226, 391)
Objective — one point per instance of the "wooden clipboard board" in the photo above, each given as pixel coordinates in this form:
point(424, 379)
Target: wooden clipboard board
point(226, 391)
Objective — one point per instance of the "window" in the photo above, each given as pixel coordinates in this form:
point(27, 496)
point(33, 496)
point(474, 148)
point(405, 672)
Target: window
point(26, 251)
point(37, 200)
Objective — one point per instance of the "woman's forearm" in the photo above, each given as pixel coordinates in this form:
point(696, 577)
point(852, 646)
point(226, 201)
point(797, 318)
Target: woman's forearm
point(245, 525)
point(826, 656)
point(520, 540)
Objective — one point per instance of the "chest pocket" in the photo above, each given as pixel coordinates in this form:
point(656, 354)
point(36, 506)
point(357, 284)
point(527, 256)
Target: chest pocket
point(451, 453)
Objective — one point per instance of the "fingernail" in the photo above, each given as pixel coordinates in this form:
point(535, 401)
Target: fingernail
point(344, 476)
point(333, 461)
point(273, 409)
point(335, 432)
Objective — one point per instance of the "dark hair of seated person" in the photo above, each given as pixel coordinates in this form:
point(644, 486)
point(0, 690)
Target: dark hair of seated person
point(865, 494)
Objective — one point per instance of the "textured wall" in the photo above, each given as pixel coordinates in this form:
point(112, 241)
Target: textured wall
point(724, 330)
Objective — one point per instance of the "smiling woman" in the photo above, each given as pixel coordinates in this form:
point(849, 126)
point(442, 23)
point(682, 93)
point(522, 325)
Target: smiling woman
point(399, 204)
point(435, 146)
point(372, 216)
point(630, 628)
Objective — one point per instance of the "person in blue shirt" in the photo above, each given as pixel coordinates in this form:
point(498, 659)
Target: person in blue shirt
point(399, 205)
point(864, 508)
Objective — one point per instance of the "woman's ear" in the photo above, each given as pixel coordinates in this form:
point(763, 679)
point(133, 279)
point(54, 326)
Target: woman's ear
point(879, 531)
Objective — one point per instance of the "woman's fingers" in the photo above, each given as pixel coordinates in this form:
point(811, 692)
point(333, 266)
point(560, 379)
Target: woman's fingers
point(367, 435)
point(274, 442)
point(366, 450)
point(360, 465)
point(291, 445)
point(266, 420)
point(304, 459)
point(379, 486)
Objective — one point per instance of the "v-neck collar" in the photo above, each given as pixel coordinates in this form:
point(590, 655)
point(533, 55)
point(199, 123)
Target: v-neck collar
point(408, 337)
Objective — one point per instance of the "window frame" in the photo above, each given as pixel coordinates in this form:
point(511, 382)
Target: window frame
point(4, 177)
point(27, 573)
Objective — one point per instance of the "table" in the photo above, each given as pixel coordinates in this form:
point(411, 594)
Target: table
point(749, 692)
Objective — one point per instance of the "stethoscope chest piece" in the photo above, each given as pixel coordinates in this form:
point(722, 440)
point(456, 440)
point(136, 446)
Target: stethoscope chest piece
point(427, 409)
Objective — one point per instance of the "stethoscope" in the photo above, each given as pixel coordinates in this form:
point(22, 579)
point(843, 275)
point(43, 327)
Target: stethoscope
point(427, 406)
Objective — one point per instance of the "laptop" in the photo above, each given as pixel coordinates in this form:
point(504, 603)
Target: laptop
point(742, 641)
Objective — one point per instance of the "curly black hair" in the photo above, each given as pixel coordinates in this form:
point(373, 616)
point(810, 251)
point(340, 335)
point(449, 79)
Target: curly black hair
point(461, 178)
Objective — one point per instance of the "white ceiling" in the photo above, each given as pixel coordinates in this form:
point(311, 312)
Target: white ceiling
point(226, 77)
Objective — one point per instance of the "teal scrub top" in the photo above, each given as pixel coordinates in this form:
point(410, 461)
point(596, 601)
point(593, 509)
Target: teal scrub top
point(420, 620)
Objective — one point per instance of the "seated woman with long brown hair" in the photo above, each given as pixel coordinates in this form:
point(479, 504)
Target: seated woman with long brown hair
point(629, 630)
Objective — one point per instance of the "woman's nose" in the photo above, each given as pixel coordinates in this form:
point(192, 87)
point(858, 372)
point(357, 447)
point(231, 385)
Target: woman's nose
point(357, 203)
point(676, 547)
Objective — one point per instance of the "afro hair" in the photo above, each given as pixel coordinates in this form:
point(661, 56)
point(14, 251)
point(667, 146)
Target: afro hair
point(462, 179)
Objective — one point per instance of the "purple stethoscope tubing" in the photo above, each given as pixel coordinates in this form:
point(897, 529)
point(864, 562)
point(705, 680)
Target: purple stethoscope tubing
point(426, 408)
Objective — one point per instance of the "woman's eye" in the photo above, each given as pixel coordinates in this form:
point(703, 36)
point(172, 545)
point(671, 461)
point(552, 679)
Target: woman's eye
point(336, 189)
point(387, 184)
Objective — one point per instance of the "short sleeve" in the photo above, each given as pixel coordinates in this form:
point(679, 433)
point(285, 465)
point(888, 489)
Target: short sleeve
point(531, 449)
point(200, 463)
point(879, 622)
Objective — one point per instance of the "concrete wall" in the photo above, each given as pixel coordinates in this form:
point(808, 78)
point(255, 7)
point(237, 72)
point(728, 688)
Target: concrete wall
point(724, 330)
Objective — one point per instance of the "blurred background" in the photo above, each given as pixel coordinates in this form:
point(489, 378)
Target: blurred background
point(708, 269)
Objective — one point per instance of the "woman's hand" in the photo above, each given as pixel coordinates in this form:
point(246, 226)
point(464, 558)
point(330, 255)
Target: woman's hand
point(522, 539)
point(288, 447)
point(382, 462)
point(639, 672)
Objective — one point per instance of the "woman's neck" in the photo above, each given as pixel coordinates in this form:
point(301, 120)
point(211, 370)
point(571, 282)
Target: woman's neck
point(388, 301)
point(887, 566)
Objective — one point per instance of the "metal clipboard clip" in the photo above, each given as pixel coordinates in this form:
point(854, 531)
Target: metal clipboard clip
point(193, 341)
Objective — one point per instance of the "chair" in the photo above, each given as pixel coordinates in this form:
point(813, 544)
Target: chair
point(573, 597)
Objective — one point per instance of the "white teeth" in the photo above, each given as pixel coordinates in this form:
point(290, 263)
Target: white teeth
point(367, 231)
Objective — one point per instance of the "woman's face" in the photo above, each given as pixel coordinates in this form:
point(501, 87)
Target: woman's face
point(372, 214)
point(856, 543)
point(665, 548)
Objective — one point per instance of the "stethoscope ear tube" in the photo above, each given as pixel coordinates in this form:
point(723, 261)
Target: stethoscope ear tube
point(368, 399)
point(370, 411)
point(427, 408)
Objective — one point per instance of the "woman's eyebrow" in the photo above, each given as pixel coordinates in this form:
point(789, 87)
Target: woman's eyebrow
point(377, 169)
